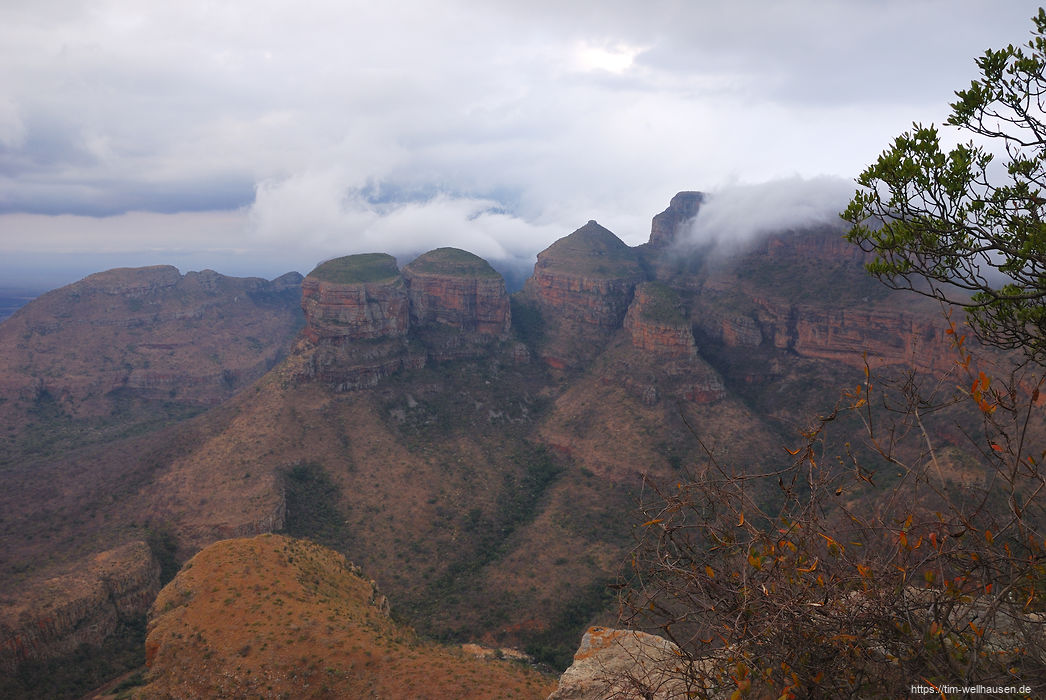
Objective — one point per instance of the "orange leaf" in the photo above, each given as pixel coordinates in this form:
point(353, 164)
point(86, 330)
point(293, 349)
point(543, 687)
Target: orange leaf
point(741, 520)
point(652, 522)
point(988, 536)
point(997, 448)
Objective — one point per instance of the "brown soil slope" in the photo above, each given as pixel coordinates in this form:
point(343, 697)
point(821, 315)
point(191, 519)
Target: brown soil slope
point(277, 617)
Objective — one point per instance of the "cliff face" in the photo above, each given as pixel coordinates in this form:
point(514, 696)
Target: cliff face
point(657, 323)
point(807, 293)
point(83, 607)
point(368, 321)
point(358, 297)
point(582, 284)
point(357, 315)
point(455, 288)
point(681, 209)
point(138, 332)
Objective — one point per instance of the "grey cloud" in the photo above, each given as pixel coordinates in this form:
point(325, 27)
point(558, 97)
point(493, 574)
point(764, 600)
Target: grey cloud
point(735, 216)
point(485, 117)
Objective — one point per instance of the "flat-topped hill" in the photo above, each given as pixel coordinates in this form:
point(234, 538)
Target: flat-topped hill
point(357, 269)
point(452, 262)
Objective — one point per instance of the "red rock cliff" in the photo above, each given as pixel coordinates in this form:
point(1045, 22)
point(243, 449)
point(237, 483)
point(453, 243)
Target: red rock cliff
point(358, 297)
point(657, 323)
point(455, 288)
point(582, 284)
point(681, 209)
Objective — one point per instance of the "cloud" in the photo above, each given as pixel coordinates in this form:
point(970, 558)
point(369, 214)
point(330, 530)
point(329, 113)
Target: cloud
point(510, 123)
point(734, 216)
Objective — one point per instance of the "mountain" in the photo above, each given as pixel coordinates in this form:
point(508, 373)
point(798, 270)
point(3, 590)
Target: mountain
point(478, 454)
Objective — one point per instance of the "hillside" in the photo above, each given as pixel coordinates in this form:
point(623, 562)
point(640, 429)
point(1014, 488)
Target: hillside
point(277, 617)
point(478, 455)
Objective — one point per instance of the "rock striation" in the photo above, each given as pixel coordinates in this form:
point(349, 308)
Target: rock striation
point(582, 285)
point(666, 226)
point(357, 314)
point(82, 607)
point(455, 288)
point(357, 297)
point(626, 664)
point(658, 324)
point(367, 320)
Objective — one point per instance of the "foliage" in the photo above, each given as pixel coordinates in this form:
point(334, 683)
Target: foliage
point(313, 506)
point(839, 588)
point(163, 544)
point(948, 224)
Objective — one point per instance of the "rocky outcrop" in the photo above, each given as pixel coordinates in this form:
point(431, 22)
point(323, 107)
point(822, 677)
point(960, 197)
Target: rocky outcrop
point(583, 285)
point(357, 314)
point(83, 607)
point(613, 663)
point(657, 322)
point(666, 226)
point(884, 336)
point(455, 288)
point(368, 321)
point(357, 297)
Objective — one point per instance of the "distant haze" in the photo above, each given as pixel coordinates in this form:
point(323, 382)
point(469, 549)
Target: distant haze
point(256, 138)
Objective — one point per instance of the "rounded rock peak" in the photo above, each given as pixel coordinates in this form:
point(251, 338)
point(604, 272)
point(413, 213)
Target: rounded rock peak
point(452, 262)
point(593, 250)
point(357, 269)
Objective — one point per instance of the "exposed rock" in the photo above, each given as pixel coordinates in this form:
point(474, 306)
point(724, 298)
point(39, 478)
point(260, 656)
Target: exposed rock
point(582, 284)
point(625, 664)
point(458, 289)
point(657, 323)
point(681, 209)
point(357, 297)
point(357, 314)
point(82, 607)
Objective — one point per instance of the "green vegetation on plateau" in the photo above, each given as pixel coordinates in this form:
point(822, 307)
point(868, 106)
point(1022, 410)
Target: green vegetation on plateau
point(452, 261)
point(357, 269)
point(662, 305)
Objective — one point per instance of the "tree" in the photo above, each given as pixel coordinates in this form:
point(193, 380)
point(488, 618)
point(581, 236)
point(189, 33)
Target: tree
point(968, 226)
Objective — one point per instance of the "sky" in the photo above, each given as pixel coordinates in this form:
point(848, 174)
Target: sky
point(259, 137)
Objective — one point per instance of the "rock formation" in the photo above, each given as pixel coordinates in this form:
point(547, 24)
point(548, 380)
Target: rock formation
point(357, 314)
point(357, 297)
point(666, 226)
point(83, 607)
point(368, 321)
point(455, 288)
point(625, 664)
point(658, 324)
point(582, 284)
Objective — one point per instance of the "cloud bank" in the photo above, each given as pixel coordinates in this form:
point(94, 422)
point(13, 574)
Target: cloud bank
point(320, 128)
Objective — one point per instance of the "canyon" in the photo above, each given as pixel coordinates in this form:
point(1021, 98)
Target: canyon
point(475, 452)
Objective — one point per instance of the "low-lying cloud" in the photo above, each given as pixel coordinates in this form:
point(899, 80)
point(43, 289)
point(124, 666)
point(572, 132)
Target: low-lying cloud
point(735, 216)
